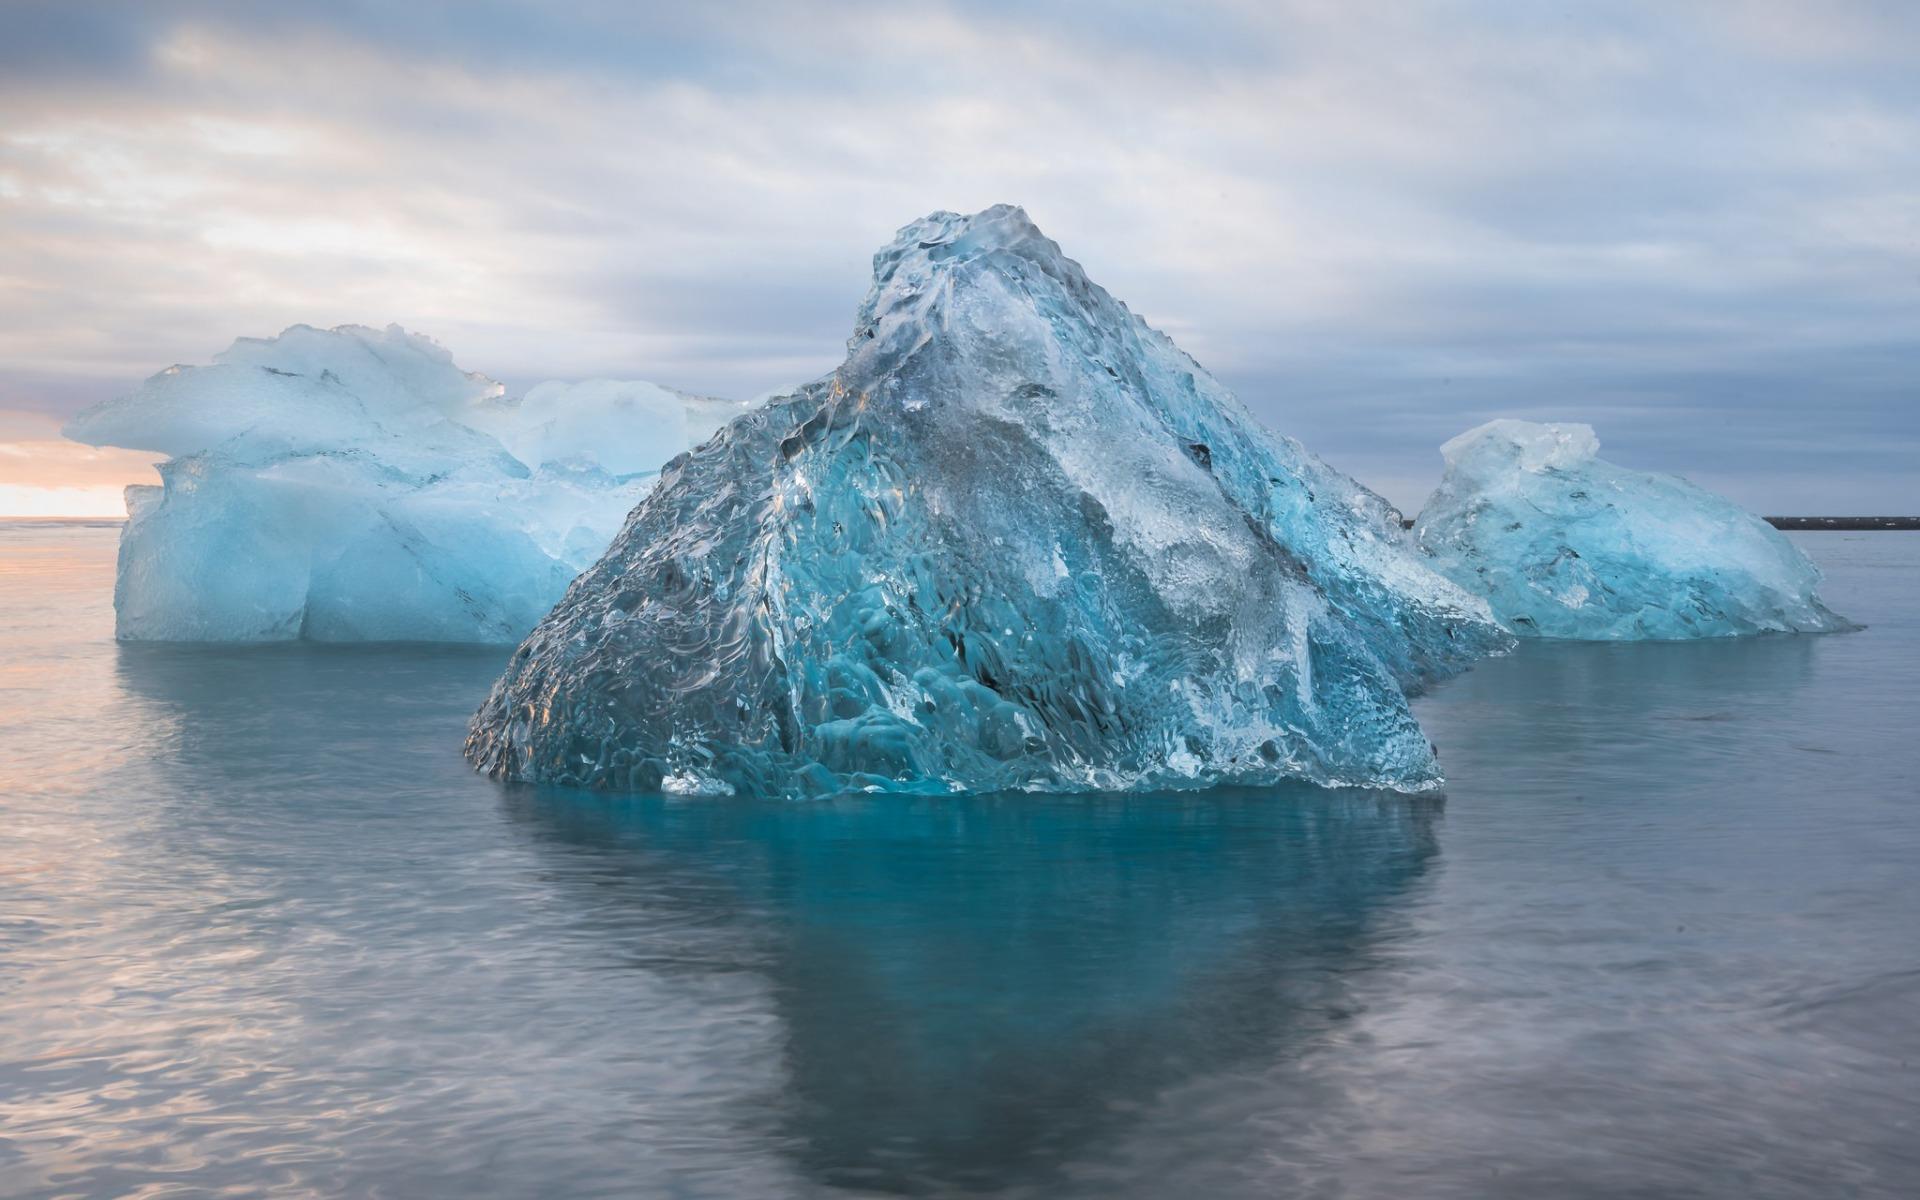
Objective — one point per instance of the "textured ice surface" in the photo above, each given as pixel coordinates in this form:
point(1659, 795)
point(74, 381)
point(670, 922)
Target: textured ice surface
point(1017, 540)
point(354, 485)
point(1566, 545)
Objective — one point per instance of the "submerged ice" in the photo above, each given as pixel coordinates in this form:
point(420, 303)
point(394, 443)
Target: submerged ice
point(1564, 544)
point(1017, 540)
point(353, 484)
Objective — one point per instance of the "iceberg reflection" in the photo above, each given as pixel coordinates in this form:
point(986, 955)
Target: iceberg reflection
point(976, 993)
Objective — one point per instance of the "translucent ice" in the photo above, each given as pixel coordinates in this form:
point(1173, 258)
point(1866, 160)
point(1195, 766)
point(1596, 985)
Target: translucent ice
point(625, 427)
point(1566, 545)
point(1017, 540)
point(352, 485)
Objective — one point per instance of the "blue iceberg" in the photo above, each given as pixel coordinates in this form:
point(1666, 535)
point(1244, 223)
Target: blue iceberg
point(353, 484)
point(1564, 544)
point(1018, 540)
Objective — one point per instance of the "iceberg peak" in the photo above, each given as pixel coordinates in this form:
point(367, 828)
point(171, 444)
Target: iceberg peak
point(1018, 539)
point(912, 274)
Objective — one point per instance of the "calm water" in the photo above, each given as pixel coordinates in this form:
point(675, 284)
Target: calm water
point(261, 930)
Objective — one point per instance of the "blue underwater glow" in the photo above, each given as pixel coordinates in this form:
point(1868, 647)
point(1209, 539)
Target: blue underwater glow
point(1018, 540)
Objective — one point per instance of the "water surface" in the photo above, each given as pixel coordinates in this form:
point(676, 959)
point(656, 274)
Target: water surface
point(261, 930)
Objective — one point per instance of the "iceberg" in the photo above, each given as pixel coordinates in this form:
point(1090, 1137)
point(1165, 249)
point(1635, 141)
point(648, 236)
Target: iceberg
point(353, 484)
point(1017, 540)
point(1564, 544)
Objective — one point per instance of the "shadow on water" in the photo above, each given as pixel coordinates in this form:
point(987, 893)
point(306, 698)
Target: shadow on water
point(975, 992)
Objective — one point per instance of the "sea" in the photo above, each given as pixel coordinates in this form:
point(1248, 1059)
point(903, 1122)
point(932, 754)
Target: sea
point(263, 932)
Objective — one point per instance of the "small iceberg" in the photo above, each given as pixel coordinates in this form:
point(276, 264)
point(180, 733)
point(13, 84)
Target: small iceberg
point(353, 484)
point(1564, 544)
point(1017, 540)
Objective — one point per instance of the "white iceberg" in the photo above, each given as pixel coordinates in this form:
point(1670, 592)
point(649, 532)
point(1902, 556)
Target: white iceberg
point(1017, 540)
point(1564, 544)
point(353, 484)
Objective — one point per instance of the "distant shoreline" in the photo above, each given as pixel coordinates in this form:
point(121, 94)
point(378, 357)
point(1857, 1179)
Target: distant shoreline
point(1844, 523)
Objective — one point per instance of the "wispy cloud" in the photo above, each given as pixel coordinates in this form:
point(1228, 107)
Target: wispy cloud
point(1692, 225)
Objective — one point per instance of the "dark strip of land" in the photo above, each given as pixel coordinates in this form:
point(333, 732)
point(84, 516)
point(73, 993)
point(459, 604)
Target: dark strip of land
point(1844, 522)
point(1834, 523)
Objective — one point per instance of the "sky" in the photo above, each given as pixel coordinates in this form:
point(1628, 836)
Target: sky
point(1694, 226)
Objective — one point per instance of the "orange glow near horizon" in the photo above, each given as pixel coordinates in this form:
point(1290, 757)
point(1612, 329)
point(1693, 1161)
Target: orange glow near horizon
point(44, 475)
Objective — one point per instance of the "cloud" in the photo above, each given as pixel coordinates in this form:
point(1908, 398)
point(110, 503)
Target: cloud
point(1691, 226)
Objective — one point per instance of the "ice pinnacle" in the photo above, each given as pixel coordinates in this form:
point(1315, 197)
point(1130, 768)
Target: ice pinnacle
point(1017, 540)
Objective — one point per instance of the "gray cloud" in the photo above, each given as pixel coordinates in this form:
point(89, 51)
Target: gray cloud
point(1697, 227)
